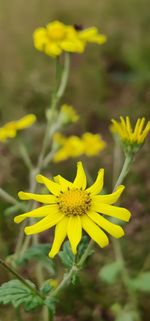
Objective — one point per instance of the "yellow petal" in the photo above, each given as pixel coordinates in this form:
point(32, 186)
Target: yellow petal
point(94, 231)
point(73, 45)
point(108, 198)
point(98, 185)
point(112, 229)
point(38, 212)
point(88, 33)
point(44, 224)
point(74, 231)
point(60, 234)
point(63, 182)
point(25, 122)
point(52, 186)
point(114, 211)
point(80, 180)
point(52, 49)
point(46, 199)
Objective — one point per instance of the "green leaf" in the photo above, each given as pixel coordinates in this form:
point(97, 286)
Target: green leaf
point(127, 316)
point(16, 293)
point(38, 252)
point(66, 255)
point(142, 282)
point(110, 272)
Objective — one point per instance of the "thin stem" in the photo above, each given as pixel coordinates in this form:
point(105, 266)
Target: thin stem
point(125, 169)
point(86, 253)
point(8, 198)
point(20, 278)
point(18, 314)
point(64, 78)
point(64, 282)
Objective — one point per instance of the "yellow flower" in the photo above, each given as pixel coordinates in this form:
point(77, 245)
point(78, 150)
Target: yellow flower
point(93, 144)
point(132, 138)
point(69, 114)
point(56, 38)
point(70, 147)
point(72, 207)
point(92, 35)
point(10, 129)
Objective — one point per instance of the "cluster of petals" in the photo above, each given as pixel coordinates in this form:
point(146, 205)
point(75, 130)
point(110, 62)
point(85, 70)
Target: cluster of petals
point(74, 146)
point(71, 207)
point(127, 134)
point(9, 130)
point(57, 37)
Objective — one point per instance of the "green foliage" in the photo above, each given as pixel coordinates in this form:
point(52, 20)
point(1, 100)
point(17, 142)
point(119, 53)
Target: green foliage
point(66, 255)
point(16, 293)
point(142, 282)
point(38, 252)
point(110, 272)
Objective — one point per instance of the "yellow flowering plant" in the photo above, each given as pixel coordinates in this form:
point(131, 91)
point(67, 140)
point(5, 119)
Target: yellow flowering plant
point(80, 213)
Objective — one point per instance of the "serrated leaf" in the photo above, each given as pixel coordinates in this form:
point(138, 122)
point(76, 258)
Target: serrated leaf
point(38, 252)
point(110, 272)
point(142, 282)
point(16, 293)
point(66, 255)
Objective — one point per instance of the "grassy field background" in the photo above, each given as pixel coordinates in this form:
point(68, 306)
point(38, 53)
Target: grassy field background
point(105, 82)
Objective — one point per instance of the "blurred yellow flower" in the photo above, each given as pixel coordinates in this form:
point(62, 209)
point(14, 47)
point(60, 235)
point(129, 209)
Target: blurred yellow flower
point(69, 147)
point(93, 144)
point(10, 129)
point(73, 146)
point(69, 114)
point(57, 37)
point(72, 207)
point(129, 135)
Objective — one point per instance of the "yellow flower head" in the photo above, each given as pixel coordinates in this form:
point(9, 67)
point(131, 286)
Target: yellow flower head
point(93, 144)
point(69, 147)
point(57, 37)
point(131, 138)
point(71, 207)
point(69, 114)
point(10, 129)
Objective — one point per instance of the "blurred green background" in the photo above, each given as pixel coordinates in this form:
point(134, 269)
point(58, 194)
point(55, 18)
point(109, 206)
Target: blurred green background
point(105, 82)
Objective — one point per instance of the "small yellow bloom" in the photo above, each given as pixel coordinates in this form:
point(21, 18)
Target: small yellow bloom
point(53, 282)
point(73, 146)
point(93, 144)
point(129, 136)
point(69, 114)
point(69, 147)
point(10, 129)
point(55, 38)
point(72, 207)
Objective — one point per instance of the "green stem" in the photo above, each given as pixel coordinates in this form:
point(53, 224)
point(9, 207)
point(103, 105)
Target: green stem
point(18, 314)
point(66, 279)
point(8, 198)
point(124, 171)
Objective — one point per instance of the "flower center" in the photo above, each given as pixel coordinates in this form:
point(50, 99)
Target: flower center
point(74, 202)
point(56, 33)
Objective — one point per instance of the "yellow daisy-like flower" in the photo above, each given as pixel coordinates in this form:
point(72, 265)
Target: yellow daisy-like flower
point(10, 129)
point(93, 144)
point(69, 114)
point(129, 136)
point(55, 38)
point(72, 207)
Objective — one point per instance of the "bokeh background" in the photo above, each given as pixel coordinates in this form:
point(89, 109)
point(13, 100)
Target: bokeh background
point(105, 82)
